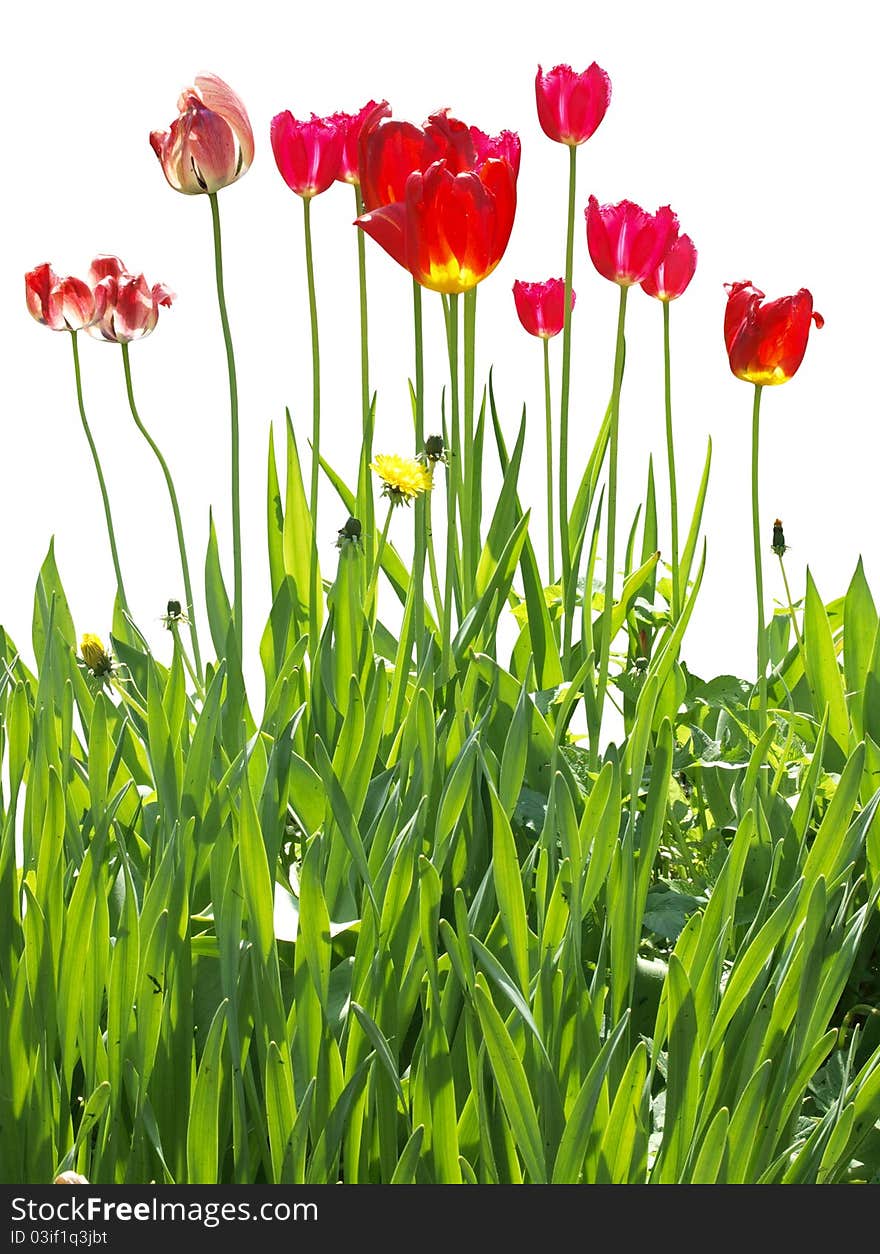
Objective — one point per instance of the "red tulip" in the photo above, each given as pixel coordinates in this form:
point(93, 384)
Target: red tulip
point(571, 105)
point(126, 308)
point(541, 306)
point(351, 125)
point(451, 229)
point(63, 304)
point(766, 342)
point(210, 143)
point(389, 152)
point(674, 272)
point(627, 244)
point(308, 154)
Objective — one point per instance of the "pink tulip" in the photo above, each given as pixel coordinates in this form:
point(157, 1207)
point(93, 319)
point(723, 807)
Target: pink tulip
point(308, 154)
point(674, 272)
point(626, 243)
point(541, 306)
point(126, 308)
point(505, 146)
point(571, 105)
point(351, 125)
point(63, 304)
point(210, 143)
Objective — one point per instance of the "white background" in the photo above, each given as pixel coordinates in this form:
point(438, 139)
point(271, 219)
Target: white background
point(756, 122)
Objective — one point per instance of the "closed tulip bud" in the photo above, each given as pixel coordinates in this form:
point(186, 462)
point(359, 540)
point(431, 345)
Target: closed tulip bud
point(126, 308)
point(672, 276)
point(351, 125)
point(541, 306)
point(210, 143)
point(308, 154)
point(626, 243)
point(571, 105)
point(62, 304)
point(766, 340)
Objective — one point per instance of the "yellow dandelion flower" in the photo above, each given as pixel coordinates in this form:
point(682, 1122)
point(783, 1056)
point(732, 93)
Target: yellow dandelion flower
point(95, 656)
point(404, 478)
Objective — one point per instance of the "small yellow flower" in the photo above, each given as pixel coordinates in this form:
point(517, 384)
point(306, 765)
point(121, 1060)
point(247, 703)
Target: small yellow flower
point(95, 656)
point(404, 478)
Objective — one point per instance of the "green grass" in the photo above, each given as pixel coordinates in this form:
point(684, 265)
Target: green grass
point(396, 926)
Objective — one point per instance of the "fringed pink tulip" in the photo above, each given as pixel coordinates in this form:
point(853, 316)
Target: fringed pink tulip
point(506, 147)
point(626, 243)
point(541, 306)
point(308, 154)
point(351, 125)
point(675, 271)
point(210, 143)
point(571, 105)
point(63, 304)
point(126, 308)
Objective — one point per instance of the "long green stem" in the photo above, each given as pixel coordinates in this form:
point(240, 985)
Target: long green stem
point(453, 481)
point(670, 457)
point(237, 603)
point(612, 522)
point(548, 416)
point(759, 576)
point(314, 590)
point(111, 535)
point(366, 409)
point(565, 547)
point(420, 507)
point(470, 523)
point(175, 509)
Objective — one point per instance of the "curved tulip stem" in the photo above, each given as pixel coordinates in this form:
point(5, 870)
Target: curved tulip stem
point(111, 535)
point(670, 457)
point(548, 415)
point(366, 408)
point(565, 547)
point(175, 509)
point(421, 503)
point(759, 577)
point(612, 524)
point(314, 588)
point(237, 600)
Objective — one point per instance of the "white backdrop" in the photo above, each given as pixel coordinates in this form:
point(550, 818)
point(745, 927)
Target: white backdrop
point(757, 124)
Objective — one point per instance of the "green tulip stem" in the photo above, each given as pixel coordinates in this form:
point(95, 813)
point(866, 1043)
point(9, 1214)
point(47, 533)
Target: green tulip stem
point(111, 534)
point(366, 408)
point(314, 587)
point(548, 417)
point(470, 522)
point(670, 457)
point(175, 509)
point(608, 600)
point(564, 543)
point(237, 600)
point(759, 577)
point(421, 502)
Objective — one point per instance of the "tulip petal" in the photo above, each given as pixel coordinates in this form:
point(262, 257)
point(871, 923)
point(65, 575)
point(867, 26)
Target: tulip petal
point(386, 226)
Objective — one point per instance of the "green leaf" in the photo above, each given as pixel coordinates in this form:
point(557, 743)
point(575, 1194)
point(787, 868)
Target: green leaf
point(512, 1084)
point(201, 1139)
point(823, 672)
